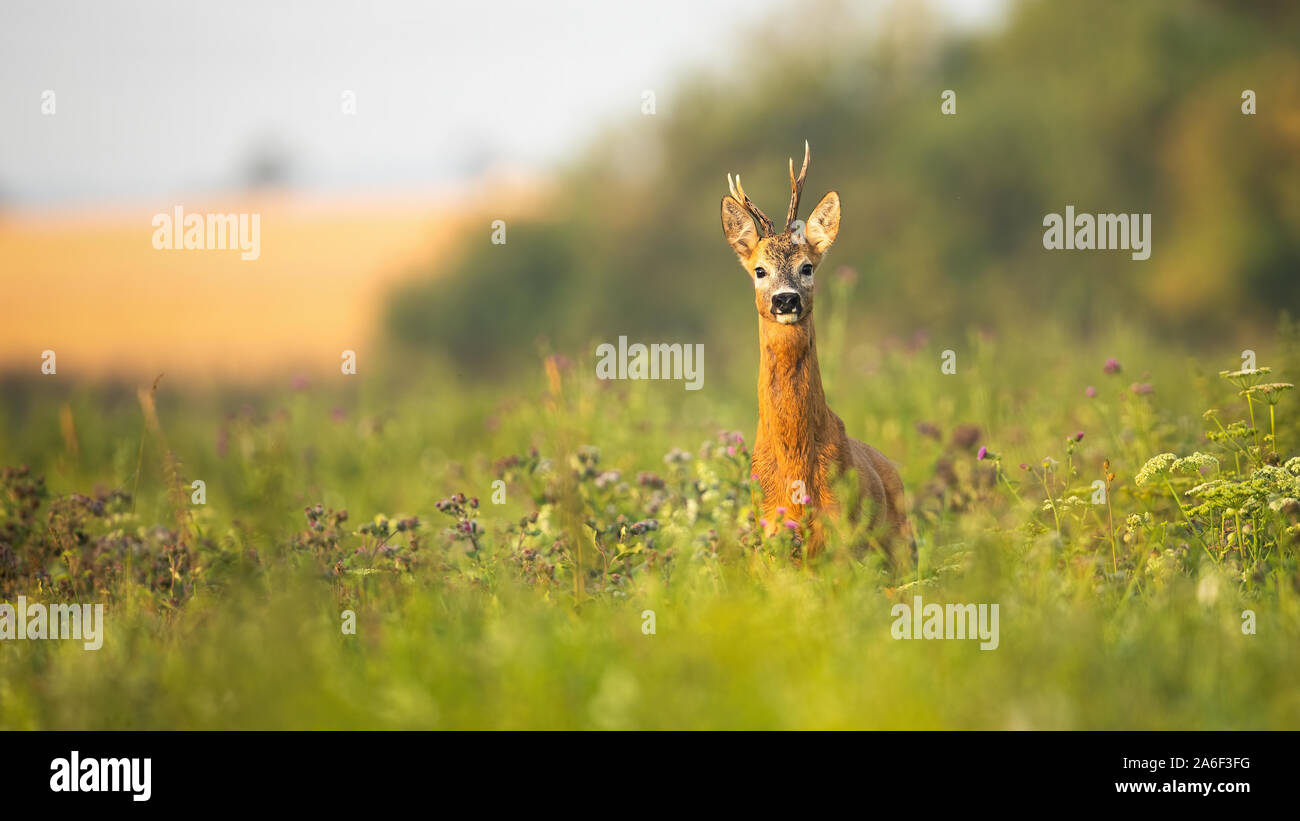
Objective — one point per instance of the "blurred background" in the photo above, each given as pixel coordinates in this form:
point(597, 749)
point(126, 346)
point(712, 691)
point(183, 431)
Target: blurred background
point(379, 142)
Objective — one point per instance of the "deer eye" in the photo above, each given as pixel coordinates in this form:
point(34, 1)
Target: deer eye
point(760, 272)
point(806, 270)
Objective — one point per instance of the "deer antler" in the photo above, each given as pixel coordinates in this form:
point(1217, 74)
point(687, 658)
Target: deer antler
point(796, 188)
point(739, 194)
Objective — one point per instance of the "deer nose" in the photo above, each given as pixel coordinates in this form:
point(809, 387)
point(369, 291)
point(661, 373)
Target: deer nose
point(786, 302)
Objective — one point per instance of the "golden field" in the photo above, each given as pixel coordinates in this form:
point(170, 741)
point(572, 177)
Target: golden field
point(91, 287)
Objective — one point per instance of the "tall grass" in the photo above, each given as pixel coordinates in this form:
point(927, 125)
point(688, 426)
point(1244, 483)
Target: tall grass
point(627, 498)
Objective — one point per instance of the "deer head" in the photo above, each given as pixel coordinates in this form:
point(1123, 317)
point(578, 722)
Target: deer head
point(781, 265)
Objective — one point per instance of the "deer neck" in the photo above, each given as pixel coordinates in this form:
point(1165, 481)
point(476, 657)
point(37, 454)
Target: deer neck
point(792, 412)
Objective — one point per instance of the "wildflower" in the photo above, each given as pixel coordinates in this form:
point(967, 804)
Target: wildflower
point(1155, 466)
point(780, 511)
point(1244, 373)
point(983, 452)
point(806, 499)
point(965, 436)
point(1271, 391)
point(1023, 466)
point(1195, 463)
point(607, 478)
point(791, 524)
point(1090, 392)
point(299, 383)
point(649, 480)
point(1078, 437)
point(929, 429)
point(1141, 388)
point(1112, 366)
point(1284, 505)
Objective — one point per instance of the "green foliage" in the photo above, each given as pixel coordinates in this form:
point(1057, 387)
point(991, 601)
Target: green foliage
point(1128, 107)
point(625, 498)
point(498, 290)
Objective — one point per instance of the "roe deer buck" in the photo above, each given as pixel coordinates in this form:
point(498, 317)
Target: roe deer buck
point(801, 443)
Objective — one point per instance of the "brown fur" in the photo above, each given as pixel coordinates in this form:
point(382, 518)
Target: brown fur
point(800, 439)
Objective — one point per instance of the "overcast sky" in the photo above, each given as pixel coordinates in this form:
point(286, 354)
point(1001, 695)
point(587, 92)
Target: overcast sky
point(155, 98)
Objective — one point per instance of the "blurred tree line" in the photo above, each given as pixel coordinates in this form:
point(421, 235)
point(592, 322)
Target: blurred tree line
point(1131, 107)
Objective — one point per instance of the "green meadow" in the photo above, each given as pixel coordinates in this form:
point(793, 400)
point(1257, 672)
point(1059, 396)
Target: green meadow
point(618, 498)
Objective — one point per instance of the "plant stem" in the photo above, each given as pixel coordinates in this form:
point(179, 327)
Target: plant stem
point(1251, 406)
point(1189, 521)
point(1055, 515)
point(1110, 521)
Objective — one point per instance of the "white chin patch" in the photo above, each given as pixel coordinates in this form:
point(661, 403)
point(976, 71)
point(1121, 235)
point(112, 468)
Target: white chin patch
point(787, 319)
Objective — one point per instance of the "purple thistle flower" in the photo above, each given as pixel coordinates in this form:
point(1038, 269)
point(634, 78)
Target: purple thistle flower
point(1112, 366)
point(983, 452)
point(1090, 391)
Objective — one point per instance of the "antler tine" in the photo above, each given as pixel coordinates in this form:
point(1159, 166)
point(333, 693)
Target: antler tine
point(738, 193)
point(796, 187)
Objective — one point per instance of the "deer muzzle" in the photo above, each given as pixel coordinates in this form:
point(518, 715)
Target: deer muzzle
point(786, 306)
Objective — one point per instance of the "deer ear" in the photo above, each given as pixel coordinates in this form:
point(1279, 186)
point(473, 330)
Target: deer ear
point(738, 226)
point(823, 223)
